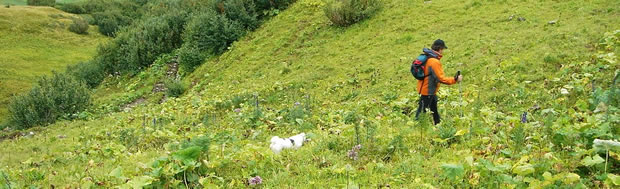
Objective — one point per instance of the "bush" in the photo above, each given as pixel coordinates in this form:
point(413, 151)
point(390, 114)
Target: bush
point(73, 8)
point(212, 32)
point(91, 73)
point(241, 11)
point(41, 2)
point(51, 98)
point(107, 26)
point(175, 88)
point(272, 4)
point(110, 21)
point(79, 26)
point(190, 57)
point(138, 46)
point(348, 12)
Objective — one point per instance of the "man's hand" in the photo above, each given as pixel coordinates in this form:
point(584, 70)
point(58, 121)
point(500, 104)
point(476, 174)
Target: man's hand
point(459, 78)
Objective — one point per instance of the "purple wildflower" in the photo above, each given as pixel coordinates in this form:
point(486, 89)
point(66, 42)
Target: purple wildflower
point(255, 180)
point(524, 117)
point(357, 147)
point(237, 110)
point(352, 154)
point(297, 103)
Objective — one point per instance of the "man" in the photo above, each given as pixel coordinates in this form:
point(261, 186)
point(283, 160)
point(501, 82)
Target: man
point(434, 75)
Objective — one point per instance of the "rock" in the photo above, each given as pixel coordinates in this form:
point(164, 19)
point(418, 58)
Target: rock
point(511, 17)
point(552, 22)
point(521, 19)
point(61, 136)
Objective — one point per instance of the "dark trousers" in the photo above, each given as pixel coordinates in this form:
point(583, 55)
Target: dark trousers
point(428, 101)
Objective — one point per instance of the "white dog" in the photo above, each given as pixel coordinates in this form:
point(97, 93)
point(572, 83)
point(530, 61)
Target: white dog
point(277, 143)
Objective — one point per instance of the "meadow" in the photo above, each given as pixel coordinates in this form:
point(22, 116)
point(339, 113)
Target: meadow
point(555, 60)
point(35, 41)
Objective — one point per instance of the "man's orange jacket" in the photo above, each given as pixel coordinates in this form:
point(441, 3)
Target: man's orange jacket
point(434, 76)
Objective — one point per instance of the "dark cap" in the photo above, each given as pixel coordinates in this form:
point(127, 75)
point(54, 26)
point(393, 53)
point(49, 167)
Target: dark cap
point(439, 44)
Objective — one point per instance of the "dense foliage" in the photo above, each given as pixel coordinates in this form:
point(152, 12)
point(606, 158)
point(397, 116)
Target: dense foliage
point(190, 57)
point(110, 16)
point(212, 32)
point(209, 26)
point(90, 72)
point(41, 2)
point(51, 98)
point(138, 46)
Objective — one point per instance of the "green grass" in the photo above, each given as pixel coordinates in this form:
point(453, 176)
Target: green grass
point(36, 41)
point(509, 66)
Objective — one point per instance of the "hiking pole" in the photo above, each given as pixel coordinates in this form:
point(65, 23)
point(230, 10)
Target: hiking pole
point(458, 73)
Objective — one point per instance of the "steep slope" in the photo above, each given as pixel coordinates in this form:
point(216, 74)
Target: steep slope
point(35, 41)
point(299, 74)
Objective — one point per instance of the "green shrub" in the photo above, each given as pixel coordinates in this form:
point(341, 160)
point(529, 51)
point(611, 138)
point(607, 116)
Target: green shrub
point(348, 12)
point(212, 32)
point(263, 5)
point(110, 21)
point(190, 57)
point(138, 46)
point(51, 98)
point(175, 88)
point(73, 8)
point(41, 2)
point(79, 26)
point(107, 26)
point(88, 18)
point(90, 72)
point(241, 11)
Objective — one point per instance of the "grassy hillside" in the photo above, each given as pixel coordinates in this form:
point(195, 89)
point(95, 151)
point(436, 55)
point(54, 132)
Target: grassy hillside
point(348, 86)
point(35, 42)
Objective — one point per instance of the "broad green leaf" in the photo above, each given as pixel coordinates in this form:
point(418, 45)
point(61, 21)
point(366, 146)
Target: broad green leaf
point(117, 173)
point(138, 182)
point(187, 155)
point(589, 161)
point(613, 180)
point(547, 176)
point(523, 169)
point(571, 178)
point(452, 171)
